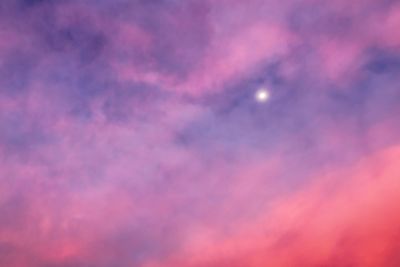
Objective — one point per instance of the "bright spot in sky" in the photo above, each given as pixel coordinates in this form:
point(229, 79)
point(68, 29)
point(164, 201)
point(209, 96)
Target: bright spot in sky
point(261, 95)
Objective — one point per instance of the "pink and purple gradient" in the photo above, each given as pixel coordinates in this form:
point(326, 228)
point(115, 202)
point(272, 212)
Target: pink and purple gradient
point(130, 136)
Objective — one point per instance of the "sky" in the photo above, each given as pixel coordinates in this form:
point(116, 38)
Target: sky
point(199, 133)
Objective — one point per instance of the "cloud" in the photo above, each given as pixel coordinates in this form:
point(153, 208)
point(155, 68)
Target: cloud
point(129, 134)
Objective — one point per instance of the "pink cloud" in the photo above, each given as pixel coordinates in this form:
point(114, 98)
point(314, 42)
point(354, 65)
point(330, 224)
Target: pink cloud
point(332, 222)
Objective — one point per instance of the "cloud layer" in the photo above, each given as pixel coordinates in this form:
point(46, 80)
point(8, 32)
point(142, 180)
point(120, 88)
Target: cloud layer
point(130, 136)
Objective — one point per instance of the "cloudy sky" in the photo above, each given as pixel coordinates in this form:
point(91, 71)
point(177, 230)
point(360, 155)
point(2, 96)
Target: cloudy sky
point(199, 133)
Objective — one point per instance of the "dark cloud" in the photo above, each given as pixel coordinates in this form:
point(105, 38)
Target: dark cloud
point(16, 72)
point(32, 3)
point(318, 19)
point(383, 62)
point(132, 100)
point(20, 138)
